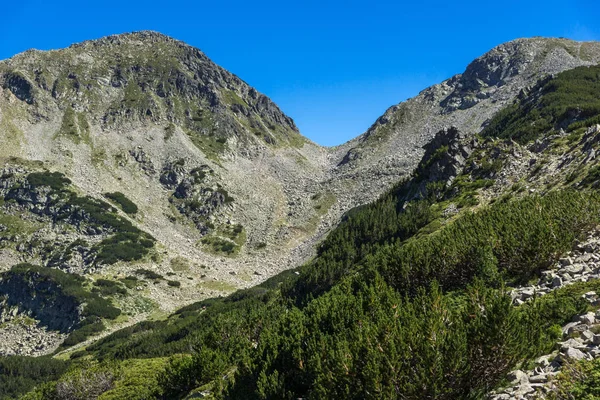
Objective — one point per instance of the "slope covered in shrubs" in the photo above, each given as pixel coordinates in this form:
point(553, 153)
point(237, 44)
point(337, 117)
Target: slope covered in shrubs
point(400, 301)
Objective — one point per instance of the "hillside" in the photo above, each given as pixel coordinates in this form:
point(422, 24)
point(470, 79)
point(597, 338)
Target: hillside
point(139, 177)
point(473, 266)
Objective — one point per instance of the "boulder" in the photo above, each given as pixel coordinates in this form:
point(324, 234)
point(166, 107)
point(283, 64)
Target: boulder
point(517, 377)
point(574, 354)
point(588, 319)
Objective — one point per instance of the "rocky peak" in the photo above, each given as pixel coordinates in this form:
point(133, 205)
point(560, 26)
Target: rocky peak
point(145, 77)
point(514, 63)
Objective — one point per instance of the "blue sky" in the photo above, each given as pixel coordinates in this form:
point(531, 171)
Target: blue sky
point(333, 66)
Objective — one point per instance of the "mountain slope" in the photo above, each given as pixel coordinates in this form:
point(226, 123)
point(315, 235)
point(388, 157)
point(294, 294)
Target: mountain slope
point(392, 146)
point(409, 297)
point(161, 178)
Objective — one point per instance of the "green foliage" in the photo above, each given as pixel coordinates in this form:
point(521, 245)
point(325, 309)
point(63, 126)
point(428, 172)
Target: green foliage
point(19, 374)
point(220, 245)
point(570, 100)
point(146, 273)
point(56, 283)
point(128, 242)
point(578, 381)
point(109, 288)
point(521, 237)
point(137, 380)
point(123, 246)
point(126, 205)
point(592, 177)
point(55, 180)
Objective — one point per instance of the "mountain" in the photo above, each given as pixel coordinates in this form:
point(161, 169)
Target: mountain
point(139, 177)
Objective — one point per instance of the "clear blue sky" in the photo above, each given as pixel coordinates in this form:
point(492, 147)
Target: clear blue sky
point(333, 66)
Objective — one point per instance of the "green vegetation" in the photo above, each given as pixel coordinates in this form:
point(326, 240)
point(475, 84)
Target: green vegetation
point(180, 264)
point(74, 126)
point(18, 374)
point(109, 288)
point(52, 285)
point(569, 101)
point(146, 273)
point(126, 205)
point(123, 246)
point(227, 240)
point(400, 300)
point(232, 97)
point(578, 381)
point(219, 245)
point(55, 180)
point(126, 242)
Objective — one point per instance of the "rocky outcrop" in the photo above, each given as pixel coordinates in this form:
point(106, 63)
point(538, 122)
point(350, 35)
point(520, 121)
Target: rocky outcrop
point(580, 339)
point(41, 299)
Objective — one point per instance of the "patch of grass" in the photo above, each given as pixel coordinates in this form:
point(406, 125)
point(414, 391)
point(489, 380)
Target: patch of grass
point(130, 281)
point(219, 245)
point(180, 264)
point(232, 97)
point(217, 285)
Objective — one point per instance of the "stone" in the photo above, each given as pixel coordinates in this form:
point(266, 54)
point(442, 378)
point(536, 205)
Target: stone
point(538, 378)
point(567, 327)
point(523, 390)
point(574, 269)
point(517, 377)
point(588, 319)
point(587, 336)
point(527, 294)
point(557, 282)
point(578, 329)
point(543, 361)
point(565, 261)
point(596, 340)
point(574, 354)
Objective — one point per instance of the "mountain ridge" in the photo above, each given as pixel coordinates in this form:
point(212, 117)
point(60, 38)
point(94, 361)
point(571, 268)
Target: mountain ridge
point(223, 180)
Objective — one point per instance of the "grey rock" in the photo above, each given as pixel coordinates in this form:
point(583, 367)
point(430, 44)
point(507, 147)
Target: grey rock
point(565, 261)
point(557, 282)
point(574, 354)
point(517, 377)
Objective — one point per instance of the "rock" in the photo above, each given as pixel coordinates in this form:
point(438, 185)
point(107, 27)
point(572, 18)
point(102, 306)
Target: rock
point(565, 261)
point(574, 269)
point(588, 319)
point(596, 340)
point(538, 378)
point(543, 361)
point(574, 354)
point(527, 294)
point(567, 327)
point(557, 282)
point(523, 390)
point(587, 336)
point(517, 377)
point(578, 329)
point(571, 343)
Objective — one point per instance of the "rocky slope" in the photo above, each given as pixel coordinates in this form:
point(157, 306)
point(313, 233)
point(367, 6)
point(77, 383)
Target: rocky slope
point(393, 145)
point(219, 177)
